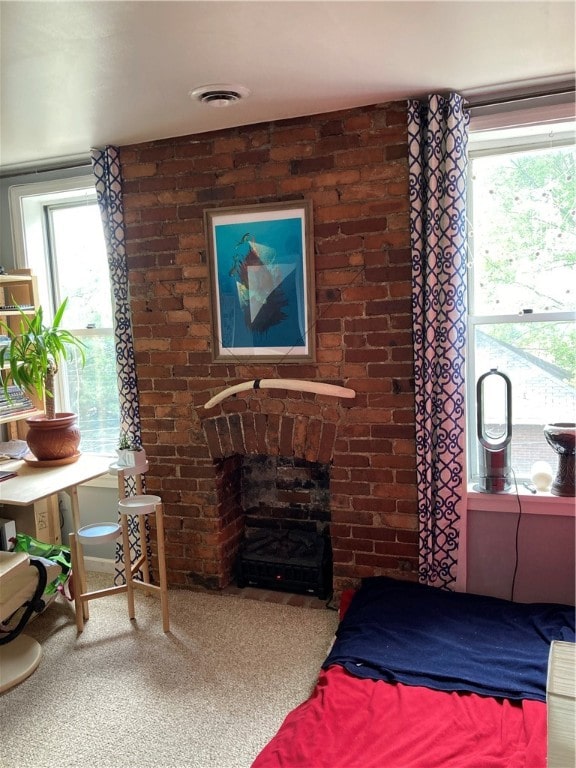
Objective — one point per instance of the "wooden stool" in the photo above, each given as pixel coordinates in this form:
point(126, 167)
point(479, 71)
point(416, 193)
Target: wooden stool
point(89, 534)
point(141, 561)
point(140, 506)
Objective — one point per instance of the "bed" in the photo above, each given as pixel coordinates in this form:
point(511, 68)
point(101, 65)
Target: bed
point(419, 677)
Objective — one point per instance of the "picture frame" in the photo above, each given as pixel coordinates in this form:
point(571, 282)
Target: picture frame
point(262, 282)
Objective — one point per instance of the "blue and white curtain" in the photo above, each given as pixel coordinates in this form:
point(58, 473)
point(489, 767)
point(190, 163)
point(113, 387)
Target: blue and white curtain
point(106, 168)
point(108, 182)
point(437, 142)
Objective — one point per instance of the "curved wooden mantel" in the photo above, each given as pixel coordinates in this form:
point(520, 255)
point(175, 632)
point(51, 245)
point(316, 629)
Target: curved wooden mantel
point(298, 385)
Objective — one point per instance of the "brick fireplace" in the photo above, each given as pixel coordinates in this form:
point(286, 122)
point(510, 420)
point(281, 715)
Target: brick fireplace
point(272, 470)
point(352, 166)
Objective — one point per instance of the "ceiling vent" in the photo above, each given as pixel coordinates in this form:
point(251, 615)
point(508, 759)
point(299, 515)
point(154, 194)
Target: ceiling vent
point(219, 95)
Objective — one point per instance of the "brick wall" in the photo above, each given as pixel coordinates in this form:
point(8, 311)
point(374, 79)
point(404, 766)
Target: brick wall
point(352, 166)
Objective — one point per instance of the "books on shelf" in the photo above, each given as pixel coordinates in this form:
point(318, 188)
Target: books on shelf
point(15, 402)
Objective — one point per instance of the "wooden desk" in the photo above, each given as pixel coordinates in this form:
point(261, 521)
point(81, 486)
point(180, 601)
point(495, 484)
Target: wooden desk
point(33, 484)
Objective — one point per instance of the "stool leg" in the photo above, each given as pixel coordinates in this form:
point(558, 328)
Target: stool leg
point(80, 576)
point(141, 523)
point(78, 588)
point(162, 568)
point(127, 566)
point(121, 485)
point(73, 493)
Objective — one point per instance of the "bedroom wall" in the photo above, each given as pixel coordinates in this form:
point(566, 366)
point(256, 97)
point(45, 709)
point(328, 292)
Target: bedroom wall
point(524, 550)
point(353, 166)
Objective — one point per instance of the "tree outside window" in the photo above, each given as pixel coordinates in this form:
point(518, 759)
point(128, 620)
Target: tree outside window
point(523, 288)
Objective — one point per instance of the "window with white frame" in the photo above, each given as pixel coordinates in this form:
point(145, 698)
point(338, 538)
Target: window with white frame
point(58, 234)
point(522, 282)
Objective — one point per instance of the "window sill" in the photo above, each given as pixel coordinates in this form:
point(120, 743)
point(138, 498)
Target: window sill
point(104, 481)
point(529, 503)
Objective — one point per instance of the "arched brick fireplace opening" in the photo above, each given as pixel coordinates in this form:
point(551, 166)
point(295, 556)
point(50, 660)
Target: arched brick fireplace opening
point(272, 471)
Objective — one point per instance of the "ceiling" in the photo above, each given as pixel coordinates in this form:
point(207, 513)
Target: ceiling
point(81, 74)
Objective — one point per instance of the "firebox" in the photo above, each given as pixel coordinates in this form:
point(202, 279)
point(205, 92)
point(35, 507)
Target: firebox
point(290, 560)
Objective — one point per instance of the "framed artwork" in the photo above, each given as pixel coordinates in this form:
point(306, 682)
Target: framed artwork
point(262, 282)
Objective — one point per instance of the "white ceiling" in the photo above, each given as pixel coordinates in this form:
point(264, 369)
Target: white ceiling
point(82, 74)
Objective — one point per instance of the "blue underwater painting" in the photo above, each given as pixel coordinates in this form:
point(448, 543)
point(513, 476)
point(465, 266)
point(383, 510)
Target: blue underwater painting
point(261, 285)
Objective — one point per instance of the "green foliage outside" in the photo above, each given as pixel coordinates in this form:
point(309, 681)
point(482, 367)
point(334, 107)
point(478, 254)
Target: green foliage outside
point(94, 394)
point(525, 248)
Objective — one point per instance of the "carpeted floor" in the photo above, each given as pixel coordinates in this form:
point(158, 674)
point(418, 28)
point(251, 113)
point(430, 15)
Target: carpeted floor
point(209, 694)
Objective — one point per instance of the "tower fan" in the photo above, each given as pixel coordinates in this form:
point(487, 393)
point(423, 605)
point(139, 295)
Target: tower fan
point(494, 430)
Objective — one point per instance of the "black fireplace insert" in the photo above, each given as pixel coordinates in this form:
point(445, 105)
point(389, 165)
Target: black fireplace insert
point(288, 560)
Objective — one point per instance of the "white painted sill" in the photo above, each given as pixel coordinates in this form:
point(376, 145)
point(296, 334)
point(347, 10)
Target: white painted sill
point(529, 503)
point(104, 481)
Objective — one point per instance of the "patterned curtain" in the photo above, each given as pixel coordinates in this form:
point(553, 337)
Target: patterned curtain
point(108, 181)
point(437, 142)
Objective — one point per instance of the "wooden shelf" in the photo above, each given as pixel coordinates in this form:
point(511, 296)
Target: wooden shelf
point(19, 416)
point(18, 276)
point(17, 312)
point(18, 287)
point(40, 518)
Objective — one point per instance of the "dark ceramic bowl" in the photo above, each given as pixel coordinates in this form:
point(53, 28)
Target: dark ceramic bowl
point(562, 437)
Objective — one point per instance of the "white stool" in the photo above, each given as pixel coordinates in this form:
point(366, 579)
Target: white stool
point(141, 506)
point(97, 533)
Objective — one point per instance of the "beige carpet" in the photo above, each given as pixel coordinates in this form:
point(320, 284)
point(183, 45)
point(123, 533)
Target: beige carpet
point(123, 694)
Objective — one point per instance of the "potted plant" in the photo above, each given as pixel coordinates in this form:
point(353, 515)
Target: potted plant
point(30, 361)
point(130, 452)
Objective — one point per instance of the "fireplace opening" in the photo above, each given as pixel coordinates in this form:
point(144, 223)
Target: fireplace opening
point(281, 526)
point(286, 559)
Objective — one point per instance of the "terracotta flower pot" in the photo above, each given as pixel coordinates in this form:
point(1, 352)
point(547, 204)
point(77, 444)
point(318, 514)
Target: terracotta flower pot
point(53, 439)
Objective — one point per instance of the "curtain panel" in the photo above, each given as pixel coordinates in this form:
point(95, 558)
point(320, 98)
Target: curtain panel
point(107, 173)
point(437, 158)
point(108, 182)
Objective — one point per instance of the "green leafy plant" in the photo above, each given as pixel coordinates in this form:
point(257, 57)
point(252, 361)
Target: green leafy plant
point(128, 443)
point(31, 358)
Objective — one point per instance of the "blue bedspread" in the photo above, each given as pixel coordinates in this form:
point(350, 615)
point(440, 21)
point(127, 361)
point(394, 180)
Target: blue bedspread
point(404, 632)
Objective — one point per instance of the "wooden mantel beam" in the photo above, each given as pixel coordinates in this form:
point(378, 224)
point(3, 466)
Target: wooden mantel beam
point(298, 385)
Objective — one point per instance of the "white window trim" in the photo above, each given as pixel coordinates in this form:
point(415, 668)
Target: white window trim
point(488, 129)
point(28, 228)
point(104, 481)
point(39, 194)
point(539, 503)
point(531, 113)
point(44, 191)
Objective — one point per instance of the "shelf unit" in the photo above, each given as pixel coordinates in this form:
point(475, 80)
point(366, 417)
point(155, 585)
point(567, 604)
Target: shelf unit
point(19, 288)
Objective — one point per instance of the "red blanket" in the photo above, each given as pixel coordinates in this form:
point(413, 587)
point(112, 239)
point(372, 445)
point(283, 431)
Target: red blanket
point(350, 722)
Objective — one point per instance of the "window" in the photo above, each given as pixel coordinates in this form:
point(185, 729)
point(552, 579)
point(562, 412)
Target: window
point(522, 287)
point(58, 234)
